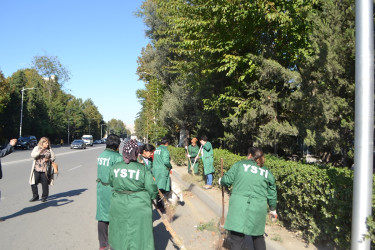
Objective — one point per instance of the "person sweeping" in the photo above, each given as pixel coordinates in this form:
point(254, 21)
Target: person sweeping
point(207, 156)
point(192, 152)
point(161, 170)
point(253, 188)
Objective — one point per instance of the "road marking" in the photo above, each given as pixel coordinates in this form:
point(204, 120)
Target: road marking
point(75, 167)
point(59, 154)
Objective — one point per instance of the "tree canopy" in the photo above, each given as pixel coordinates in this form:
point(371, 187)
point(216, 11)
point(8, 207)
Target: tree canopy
point(279, 75)
point(47, 109)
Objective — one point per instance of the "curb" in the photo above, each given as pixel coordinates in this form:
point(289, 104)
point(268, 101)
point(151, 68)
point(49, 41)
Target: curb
point(207, 199)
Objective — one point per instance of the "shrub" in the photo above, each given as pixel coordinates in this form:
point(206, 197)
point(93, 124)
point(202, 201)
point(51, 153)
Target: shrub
point(228, 160)
point(178, 155)
point(316, 200)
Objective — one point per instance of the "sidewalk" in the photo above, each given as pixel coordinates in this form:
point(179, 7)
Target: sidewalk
point(213, 199)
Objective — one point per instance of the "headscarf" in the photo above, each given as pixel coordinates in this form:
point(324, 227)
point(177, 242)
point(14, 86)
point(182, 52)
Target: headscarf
point(130, 151)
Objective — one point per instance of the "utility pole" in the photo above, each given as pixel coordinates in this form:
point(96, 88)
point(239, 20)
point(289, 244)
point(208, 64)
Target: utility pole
point(364, 123)
point(22, 90)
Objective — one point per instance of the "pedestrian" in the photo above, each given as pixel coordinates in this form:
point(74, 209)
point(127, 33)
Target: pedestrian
point(130, 214)
point(106, 160)
point(161, 169)
point(145, 156)
point(43, 158)
point(207, 156)
point(253, 188)
point(6, 151)
point(192, 152)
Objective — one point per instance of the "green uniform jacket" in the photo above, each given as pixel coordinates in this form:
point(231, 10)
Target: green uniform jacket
point(130, 214)
point(193, 152)
point(145, 161)
point(103, 190)
point(161, 167)
point(208, 158)
point(253, 188)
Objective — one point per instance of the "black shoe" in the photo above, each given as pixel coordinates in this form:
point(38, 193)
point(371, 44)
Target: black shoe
point(44, 199)
point(35, 198)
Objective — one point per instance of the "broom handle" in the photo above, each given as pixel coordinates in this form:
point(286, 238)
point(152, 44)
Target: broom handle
point(191, 166)
point(169, 228)
point(222, 194)
point(197, 156)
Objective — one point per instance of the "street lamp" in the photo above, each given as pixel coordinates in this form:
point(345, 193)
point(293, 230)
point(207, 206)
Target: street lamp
point(22, 90)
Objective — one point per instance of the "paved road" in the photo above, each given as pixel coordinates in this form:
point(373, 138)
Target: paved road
point(67, 219)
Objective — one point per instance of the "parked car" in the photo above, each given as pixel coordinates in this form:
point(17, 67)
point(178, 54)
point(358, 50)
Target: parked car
point(97, 141)
point(78, 144)
point(26, 142)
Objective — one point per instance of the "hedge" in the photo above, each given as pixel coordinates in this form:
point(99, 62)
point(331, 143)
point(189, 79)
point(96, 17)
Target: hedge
point(315, 200)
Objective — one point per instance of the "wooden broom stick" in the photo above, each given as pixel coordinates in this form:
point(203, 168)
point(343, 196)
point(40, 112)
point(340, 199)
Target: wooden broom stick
point(169, 228)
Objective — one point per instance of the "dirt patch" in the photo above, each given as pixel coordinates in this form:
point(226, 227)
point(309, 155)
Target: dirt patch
point(290, 240)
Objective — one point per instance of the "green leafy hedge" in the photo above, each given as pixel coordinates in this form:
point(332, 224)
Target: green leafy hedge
point(178, 155)
point(316, 200)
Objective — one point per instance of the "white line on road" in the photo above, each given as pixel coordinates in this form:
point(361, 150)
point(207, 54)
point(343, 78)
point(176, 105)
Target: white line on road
point(75, 167)
point(59, 154)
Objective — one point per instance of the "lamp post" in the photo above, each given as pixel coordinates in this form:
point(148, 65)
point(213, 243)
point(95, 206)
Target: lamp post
point(68, 126)
point(22, 90)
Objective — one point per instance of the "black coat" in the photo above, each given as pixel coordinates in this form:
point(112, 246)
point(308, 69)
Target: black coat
point(7, 150)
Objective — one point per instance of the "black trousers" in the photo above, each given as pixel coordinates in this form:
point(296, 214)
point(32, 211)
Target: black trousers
point(40, 177)
point(237, 241)
point(103, 233)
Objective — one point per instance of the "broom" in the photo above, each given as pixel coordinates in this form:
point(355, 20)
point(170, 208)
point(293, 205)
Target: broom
point(192, 167)
point(222, 219)
point(169, 228)
point(168, 209)
point(167, 206)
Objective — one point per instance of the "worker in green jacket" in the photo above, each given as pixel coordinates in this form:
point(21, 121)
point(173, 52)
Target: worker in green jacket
point(207, 156)
point(130, 214)
point(106, 159)
point(145, 155)
point(161, 168)
point(192, 152)
point(253, 188)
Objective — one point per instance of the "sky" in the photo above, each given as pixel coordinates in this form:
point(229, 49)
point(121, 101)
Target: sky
point(99, 42)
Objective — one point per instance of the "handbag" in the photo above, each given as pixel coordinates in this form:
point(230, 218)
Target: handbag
point(55, 167)
point(49, 171)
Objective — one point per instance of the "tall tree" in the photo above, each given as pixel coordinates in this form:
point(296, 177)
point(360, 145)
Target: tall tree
point(117, 127)
point(93, 117)
point(54, 75)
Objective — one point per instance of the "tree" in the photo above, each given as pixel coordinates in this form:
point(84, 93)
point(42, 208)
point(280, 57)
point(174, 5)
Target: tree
point(326, 95)
point(54, 75)
point(117, 127)
point(4, 100)
point(4, 92)
point(272, 74)
point(93, 117)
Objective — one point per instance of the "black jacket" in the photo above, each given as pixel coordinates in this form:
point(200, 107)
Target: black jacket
point(7, 150)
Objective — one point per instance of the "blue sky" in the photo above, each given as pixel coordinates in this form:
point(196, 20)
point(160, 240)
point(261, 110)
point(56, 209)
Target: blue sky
point(97, 41)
